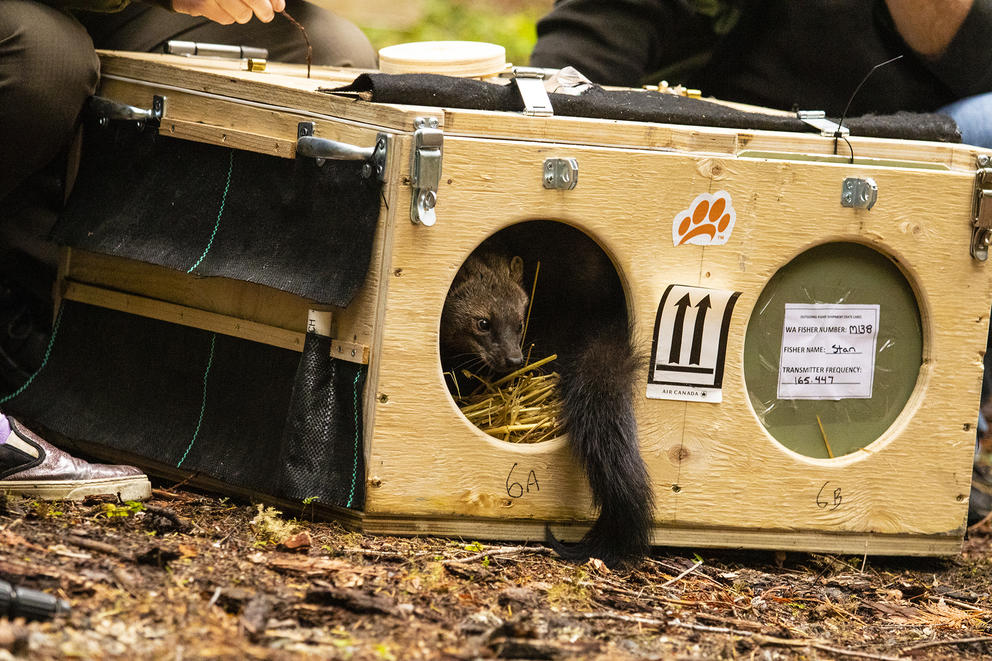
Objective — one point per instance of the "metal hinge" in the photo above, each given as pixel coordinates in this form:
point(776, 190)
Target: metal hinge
point(981, 235)
point(425, 169)
point(323, 149)
point(530, 84)
point(818, 120)
point(103, 111)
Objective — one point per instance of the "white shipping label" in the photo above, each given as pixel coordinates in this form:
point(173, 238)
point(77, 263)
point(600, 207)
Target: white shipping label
point(690, 344)
point(828, 351)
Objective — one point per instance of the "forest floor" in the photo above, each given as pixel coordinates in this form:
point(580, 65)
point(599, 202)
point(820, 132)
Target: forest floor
point(193, 576)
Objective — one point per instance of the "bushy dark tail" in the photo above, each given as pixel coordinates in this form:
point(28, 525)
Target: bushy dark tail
point(597, 388)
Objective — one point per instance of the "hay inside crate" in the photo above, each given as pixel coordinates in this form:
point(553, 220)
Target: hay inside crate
point(521, 407)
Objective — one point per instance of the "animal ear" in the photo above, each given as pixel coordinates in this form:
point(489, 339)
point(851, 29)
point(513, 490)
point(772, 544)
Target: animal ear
point(517, 269)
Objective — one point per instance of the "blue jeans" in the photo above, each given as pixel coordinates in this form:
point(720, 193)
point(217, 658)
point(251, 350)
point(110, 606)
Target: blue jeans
point(973, 116)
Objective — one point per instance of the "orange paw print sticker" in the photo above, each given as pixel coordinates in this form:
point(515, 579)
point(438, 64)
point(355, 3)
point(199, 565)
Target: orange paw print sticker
point(708, 221)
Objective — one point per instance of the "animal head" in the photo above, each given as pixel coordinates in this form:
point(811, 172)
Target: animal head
point(483, 315)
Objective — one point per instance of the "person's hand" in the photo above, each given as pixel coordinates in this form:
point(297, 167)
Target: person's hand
point(230, 11)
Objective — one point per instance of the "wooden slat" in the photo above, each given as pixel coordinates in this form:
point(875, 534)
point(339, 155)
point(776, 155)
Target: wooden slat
point(204, 320)
point(675, 535)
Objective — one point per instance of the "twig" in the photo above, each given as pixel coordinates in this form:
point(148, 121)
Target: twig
point(759, 638)
point(954, 602)
point(953, 641)
point(683, 574)
point(764, 639)
point(502, 550)
point(93, 545)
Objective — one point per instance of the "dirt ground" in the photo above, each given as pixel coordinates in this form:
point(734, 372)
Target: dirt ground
point(193, 576)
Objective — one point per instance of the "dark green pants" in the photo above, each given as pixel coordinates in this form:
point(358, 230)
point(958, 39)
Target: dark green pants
point(48, 68)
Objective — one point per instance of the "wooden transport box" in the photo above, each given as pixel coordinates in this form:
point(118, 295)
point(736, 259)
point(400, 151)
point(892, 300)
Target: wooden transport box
point(830, 322)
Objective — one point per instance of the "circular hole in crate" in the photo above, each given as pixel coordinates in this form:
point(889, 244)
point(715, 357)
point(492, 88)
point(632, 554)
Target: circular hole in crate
point(558, 284)
point(833, 349)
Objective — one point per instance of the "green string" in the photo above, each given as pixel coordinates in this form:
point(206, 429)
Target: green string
point(220, 212)
point(358, 436)
point(44, 361)
point(203, 403)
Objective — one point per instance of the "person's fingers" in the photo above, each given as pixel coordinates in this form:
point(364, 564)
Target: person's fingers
point(241, 12)
point(208, 9)
point(262, 8)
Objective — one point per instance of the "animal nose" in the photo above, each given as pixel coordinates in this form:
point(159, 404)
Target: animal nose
point(513, 362)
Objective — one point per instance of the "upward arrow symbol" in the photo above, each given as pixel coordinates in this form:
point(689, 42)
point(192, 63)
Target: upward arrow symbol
point(675, 354)
point(697, 331)
point(696, 348)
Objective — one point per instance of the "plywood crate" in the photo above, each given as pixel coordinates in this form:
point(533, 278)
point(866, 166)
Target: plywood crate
point(721, 477)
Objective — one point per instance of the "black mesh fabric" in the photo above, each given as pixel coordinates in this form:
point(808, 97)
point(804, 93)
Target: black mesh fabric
point(284, 223)
point(324, 413)
point(205, 402)
point(630, 105)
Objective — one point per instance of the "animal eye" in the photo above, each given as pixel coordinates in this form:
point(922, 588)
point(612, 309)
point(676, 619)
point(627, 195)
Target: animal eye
point(483, 325)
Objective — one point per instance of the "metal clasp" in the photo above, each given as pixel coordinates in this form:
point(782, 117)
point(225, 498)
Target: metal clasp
point(425, 169)
point(530, 83)
point(322, 149)
point(561, 173)
point(818, 120)
point(105, 110)
point(859, 193)
point(981, 235)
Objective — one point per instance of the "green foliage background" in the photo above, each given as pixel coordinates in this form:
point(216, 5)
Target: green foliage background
point(509, 24)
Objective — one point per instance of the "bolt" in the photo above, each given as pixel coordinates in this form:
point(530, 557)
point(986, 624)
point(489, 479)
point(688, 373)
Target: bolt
point(366, 171)
point(428, 198)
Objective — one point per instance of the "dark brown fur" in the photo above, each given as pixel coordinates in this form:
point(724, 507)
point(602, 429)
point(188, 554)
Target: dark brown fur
point(579, 313)
point(484, 312)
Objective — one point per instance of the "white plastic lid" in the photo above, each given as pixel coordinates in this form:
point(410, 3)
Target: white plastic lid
point(465, 59)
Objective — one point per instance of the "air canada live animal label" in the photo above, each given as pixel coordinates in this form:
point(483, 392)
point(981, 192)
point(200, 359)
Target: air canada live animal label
point(690, 344)
point(828, 351)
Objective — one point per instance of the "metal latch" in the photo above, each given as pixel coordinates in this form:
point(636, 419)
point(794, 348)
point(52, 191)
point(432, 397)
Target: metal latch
point(425, 169)
point(859, 193)
point(561, 173)
point(981, 235)
point(530, 83)
point(818, 120)
point(104, 110)
point(323, 149)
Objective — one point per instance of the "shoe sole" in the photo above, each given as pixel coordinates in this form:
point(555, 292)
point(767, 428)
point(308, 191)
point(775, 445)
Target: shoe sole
point(136, 487)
